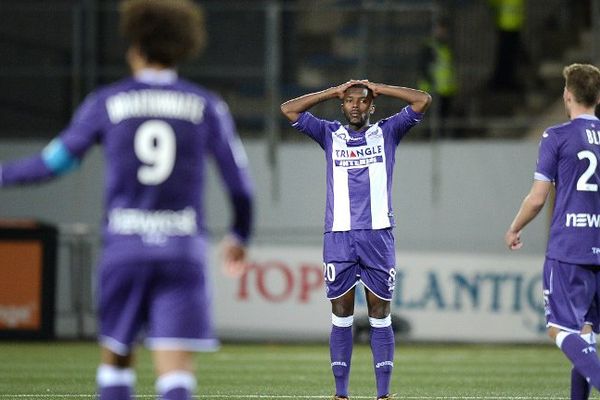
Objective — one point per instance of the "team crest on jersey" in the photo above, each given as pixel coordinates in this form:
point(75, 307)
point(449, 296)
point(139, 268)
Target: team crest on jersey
point(374, 132)
point(341, 134)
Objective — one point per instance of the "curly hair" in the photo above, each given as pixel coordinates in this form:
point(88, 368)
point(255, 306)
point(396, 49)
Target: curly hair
point(165, 31)
point(583, 80)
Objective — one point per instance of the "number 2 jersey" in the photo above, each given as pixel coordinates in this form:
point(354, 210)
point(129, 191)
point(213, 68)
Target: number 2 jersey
point(568, 156)
point(156, 131)
point(360, 167)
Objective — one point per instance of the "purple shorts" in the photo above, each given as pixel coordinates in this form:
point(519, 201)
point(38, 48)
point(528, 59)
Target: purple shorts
point(170, 302)
point(571, 295)
point(366, 256)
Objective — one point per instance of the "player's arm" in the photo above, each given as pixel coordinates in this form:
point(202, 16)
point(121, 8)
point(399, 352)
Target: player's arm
point(53, 161)
point(232, 163)
point(294, 107)
point(530, 207)
point(61, 155)
point(418, 100)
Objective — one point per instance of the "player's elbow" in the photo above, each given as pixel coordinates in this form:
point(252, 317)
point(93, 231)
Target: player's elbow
point(536, 201)
point(424, 102)
point(287, 111)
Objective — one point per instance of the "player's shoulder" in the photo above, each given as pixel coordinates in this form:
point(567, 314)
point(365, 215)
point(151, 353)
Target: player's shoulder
point(557, 131)
point(561, 129)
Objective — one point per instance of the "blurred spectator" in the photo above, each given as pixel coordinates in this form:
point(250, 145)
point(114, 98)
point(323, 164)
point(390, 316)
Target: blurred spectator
point(438, 77)
point(510, 18)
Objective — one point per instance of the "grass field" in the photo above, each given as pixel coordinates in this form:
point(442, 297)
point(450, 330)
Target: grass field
point(65, 370)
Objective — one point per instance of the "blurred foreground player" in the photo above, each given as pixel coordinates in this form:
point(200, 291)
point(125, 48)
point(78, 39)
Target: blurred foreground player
point(157, 131)
point(358, 241)
point(568, 159)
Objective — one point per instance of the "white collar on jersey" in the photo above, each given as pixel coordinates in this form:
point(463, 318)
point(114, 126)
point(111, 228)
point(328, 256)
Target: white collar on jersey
point(587, 116)
point(156, 76)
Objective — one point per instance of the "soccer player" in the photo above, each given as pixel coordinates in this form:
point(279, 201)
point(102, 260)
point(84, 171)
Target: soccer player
point(157, 131)
point(568, 159)
point(358, 241)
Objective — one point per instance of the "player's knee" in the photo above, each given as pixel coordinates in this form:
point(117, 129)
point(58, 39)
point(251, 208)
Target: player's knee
point(342, 308)
point(379, 310)
point(117, 360)
point(552, 333)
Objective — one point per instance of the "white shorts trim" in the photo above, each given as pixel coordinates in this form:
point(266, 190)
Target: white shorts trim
point(114, 345)
point(376, 295)
point(562, 328)
point(337, 297)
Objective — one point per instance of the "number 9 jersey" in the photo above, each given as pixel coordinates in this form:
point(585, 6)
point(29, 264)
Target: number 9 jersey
point(157, 131)
point(568, 156)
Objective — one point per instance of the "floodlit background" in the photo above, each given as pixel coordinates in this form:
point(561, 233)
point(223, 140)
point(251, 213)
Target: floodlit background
point(459, 176)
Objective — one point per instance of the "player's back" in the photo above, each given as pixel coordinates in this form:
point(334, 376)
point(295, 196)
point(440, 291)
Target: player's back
point(575, 231)
point(156, 138)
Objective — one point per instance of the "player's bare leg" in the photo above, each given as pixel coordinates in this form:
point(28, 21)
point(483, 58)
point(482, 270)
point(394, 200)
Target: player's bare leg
point(580, 352)
point(382, 342)
point(115, 377)
point(175, 371)
point(340, 341)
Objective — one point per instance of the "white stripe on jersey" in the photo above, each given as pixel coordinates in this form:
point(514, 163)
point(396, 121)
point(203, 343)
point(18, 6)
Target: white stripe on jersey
point(341, 194)
point(378, 179)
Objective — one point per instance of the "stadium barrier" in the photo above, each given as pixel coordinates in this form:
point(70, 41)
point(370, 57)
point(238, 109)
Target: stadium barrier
point(27, 279)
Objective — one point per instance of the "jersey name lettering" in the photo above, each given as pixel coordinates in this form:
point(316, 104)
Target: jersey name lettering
point(593, 136)
point(152, 103)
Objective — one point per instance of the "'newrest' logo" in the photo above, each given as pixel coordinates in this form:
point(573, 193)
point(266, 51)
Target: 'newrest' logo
point(358, 157)
point(15, 315)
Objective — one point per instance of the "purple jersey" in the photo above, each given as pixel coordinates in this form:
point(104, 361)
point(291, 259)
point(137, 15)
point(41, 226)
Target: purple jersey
point(360, 166)
point(156, 130)
point(568, 156)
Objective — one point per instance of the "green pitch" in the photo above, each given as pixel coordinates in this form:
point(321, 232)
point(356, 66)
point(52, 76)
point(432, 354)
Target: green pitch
point(258, 371)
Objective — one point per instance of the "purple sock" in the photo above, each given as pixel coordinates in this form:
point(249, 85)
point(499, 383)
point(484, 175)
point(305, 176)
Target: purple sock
point(582, 355)
point(382, 346)
point(115, 383)
point(177, 394)
point(580, 388)
point(340, 349)
point(115, 393)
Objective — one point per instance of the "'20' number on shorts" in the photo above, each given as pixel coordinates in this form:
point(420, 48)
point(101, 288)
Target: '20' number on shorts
point(329, 272)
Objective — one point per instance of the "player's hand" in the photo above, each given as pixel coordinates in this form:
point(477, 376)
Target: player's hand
point(375, 87)
point(341, 89)
point(513, 239)
point(233, 254)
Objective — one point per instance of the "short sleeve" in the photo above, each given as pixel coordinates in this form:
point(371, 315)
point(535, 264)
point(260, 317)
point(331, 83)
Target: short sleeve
point(547, 162)
point(312, 126)
point(399, 124)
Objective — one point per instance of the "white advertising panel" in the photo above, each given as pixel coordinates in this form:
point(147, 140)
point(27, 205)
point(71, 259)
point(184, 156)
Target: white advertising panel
point(438, 297)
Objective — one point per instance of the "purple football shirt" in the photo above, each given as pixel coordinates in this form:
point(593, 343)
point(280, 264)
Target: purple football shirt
point(360, 168)
point(157, 131)
point(568, 156)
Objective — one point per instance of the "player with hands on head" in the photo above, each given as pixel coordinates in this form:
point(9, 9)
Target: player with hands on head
point(358, 240)
point(157, 131)
point(568, 160)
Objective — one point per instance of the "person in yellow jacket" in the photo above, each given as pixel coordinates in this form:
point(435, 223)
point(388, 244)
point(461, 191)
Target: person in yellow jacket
point(436, 64)
point(509, 20)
